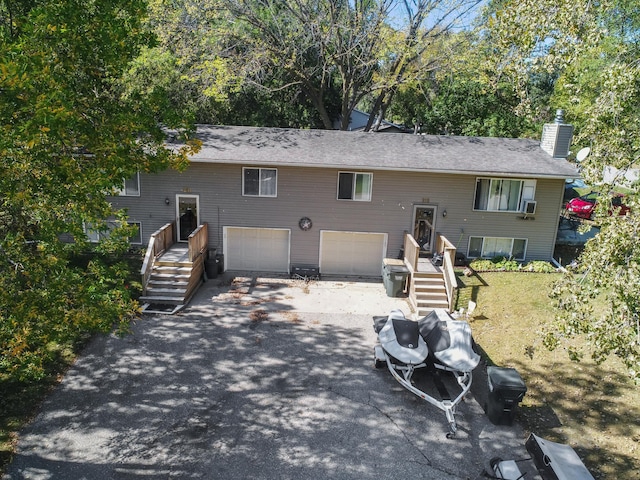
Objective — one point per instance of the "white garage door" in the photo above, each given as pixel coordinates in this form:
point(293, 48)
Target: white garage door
point(352, 253)
point(258, 249)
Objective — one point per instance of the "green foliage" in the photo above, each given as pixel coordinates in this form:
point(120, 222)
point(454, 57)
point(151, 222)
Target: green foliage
point(503, 264)
point(68, 137)
point(308, 62)
point(592, 49)
point(460, 107)
point(601, 300)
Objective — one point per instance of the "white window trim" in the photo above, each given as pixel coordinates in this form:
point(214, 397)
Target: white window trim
point(353, 187)
point(260, 194)
point(122, 192)
point(527, 193)
point(139, 225)
point(513, 239)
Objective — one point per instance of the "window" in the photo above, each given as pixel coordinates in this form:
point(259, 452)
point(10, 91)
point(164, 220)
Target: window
point(96, 236)
point(490, 247)
point(503, 195)
point(260, 182)
point(355, 186)
point(136, 239)
point(130, 187)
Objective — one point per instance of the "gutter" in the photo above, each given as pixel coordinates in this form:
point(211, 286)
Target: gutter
point(558, 266)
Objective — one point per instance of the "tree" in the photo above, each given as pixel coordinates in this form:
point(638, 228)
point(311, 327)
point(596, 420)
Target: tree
point(332, 55)
point(593, 49)
point(326, 48)
point(68, 137)
point(457, 98)
point(414, 49)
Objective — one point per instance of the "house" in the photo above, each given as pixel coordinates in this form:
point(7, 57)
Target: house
point(342, 201)
point(359, 119)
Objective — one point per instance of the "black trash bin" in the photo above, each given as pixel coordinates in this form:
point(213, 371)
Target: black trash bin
point(394, 276)
point(220, 262)
point(506, 391)
point(211, 264)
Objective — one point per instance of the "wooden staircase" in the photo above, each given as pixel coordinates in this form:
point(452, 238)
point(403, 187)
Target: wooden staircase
point(172, 282)
point(430, 292)
point(172, 272)
point(430, 286)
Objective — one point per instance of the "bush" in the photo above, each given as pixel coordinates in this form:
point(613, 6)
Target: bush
point(503, 264)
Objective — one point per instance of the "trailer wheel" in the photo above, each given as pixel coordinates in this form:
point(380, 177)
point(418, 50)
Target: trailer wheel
point(377, 363)
point(493, 462)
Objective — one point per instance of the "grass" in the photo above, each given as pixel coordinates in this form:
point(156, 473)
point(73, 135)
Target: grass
point(593, 408)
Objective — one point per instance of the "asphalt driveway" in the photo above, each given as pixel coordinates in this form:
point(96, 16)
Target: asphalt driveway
point(256, 379)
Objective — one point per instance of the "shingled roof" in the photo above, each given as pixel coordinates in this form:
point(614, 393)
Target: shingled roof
point(259, 146)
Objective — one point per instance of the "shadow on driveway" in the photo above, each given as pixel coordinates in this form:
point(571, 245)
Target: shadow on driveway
point(256, 379)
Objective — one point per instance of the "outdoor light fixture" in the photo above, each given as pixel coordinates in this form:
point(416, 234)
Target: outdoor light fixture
point(444, 213)
point(167, 201)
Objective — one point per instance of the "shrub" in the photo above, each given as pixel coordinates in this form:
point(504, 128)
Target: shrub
point(503, 264)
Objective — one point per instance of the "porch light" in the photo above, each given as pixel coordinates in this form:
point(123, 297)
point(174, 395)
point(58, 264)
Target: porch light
point(444, 213)
point(167, 201)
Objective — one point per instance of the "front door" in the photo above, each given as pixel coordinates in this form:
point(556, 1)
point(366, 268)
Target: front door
point(424, 217)
point(187, 215)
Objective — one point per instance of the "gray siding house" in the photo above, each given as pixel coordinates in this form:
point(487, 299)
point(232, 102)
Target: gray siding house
point(342, 201)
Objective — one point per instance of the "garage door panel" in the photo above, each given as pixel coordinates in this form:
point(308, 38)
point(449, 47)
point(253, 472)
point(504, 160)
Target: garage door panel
point(259, 249)
point(352, 253)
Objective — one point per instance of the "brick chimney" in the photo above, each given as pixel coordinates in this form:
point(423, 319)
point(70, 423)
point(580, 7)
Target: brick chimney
point(557, 136)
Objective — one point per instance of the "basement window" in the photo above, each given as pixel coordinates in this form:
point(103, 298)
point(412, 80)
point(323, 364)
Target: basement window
point(491, 247)
point(95, 236)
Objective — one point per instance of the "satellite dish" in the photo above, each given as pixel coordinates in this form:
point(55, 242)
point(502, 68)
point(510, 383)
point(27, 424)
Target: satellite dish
point(582, 154)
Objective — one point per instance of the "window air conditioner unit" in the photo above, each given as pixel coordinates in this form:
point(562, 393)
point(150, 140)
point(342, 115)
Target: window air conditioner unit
point(529, 207)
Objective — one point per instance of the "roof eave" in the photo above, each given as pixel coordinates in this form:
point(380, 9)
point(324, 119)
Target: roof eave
point(337, 166)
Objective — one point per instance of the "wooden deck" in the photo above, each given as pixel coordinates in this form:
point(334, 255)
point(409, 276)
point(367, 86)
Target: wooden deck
point(177, 253)
point(425, 266)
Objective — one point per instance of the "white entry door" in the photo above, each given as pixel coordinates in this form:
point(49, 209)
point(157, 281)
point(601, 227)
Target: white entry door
point(187, 215)
point(424, 224)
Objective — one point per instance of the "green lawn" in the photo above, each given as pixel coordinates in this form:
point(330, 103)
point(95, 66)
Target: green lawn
point(594, 408)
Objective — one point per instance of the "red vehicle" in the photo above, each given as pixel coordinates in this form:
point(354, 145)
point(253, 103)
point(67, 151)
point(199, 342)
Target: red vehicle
point(585, 205)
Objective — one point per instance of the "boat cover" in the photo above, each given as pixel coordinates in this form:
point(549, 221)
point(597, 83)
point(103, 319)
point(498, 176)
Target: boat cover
point(401, 339)
point(449, 341)
point(556, 461)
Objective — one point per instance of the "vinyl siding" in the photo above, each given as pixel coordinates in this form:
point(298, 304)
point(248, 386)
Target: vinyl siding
point(312, 192)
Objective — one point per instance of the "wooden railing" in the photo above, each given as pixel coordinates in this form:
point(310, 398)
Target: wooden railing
point(198, 242)
point(448, 251)
point(159, 242)
point(411, 255)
